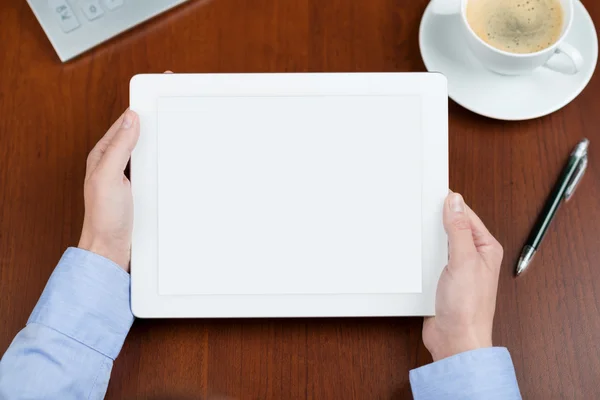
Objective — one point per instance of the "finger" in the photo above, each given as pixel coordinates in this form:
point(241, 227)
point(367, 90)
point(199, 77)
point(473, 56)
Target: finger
point(458, 227)
point(119, 149)
point(98, 151)
point(485, 243)
point(481, 235)
point(168, 72)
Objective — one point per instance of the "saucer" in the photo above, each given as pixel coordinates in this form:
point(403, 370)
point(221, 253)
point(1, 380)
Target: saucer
point(510, 98)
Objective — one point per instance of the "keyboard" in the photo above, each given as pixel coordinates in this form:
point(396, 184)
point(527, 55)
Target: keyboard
point(75, 26)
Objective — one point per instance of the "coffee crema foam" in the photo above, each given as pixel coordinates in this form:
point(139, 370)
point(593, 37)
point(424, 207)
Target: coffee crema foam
point(516, 26)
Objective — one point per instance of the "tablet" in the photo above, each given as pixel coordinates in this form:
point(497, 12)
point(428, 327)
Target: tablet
point(288, 195)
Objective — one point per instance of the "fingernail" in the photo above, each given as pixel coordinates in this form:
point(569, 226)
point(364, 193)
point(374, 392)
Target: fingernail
point(457, 203)
point(127, 120)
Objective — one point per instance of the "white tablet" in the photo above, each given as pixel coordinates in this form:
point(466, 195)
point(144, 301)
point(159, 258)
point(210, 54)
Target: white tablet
point(288, 195)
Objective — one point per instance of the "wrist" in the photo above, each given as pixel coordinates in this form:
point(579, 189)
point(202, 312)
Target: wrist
point(444, 341)
point(102, 248)
point(450, 346)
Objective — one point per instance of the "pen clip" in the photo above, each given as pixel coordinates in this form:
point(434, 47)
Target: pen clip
point(579, 172)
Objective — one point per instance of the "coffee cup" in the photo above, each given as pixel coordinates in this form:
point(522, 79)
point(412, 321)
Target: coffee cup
point(510, 54)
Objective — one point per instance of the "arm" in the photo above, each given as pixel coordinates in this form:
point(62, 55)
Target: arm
point(477, 374)
point(75, 332)
point(459, 337)
point(78, 326)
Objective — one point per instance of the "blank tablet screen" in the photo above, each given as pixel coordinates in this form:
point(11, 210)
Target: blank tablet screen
point(289, 195)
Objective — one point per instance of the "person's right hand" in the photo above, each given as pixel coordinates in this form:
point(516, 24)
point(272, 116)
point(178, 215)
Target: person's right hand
point(466, 292)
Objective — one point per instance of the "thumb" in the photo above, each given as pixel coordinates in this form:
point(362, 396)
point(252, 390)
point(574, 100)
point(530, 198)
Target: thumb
point(119, 149)
point(458, 227)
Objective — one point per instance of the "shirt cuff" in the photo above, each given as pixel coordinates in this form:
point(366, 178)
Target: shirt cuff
point(478, 374)
point(87, 299)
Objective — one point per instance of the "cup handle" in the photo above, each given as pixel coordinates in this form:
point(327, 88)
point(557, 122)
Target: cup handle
point(572, 54)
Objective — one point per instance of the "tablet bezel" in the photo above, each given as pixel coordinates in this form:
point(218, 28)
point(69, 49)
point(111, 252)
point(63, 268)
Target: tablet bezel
point(146, 89)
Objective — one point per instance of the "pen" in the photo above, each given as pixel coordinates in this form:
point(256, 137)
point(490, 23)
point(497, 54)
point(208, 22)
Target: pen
point(563, 190)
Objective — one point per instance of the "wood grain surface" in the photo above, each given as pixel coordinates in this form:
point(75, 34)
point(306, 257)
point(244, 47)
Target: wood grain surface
point(51, 114)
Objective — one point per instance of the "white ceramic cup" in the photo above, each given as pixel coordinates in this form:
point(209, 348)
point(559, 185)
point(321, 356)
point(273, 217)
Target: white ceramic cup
point(507, 63)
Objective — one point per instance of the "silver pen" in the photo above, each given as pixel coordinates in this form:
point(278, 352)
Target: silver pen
point(563, 190)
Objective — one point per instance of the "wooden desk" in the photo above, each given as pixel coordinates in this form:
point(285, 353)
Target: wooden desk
point(52, 114)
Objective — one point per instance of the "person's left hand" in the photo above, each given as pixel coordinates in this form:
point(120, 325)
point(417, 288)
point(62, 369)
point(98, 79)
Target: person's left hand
point(108, 221)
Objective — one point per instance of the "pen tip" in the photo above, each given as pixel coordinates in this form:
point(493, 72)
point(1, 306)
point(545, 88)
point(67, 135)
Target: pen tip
point(525, 259)
point(520, 268)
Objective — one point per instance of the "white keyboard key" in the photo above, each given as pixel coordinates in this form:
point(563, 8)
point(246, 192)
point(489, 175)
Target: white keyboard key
point(63, 12)
point(92, 9)
point(113, 4)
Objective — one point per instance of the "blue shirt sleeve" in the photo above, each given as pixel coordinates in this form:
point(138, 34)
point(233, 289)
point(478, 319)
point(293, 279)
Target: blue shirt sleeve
point(474, 375)
point(76, 330)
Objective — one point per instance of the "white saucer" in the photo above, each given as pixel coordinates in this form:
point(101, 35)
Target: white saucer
point(513, 98)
